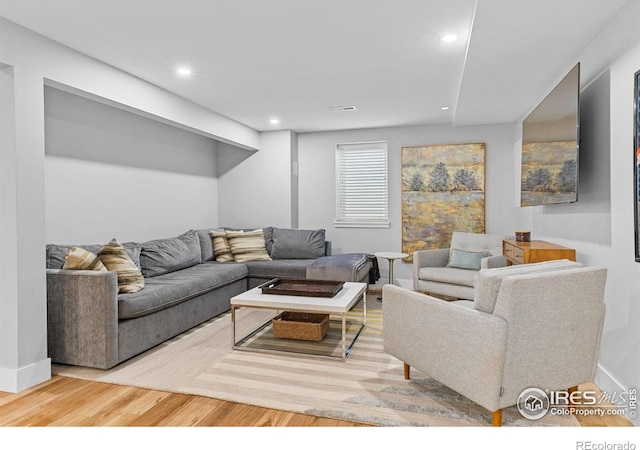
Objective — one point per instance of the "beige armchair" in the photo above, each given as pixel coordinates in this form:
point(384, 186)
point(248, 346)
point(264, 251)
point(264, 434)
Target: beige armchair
point(451, 271)
point(532, 325)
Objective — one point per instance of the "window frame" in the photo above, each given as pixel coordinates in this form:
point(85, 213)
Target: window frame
point(342, 217)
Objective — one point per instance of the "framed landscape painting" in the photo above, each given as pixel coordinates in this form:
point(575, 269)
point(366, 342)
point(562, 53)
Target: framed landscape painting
point(442, 191)
point(636, 165)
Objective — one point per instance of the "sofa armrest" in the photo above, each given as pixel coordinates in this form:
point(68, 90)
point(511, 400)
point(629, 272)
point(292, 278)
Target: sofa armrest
point(428, 258)
point(491, 262)
point(443, 339)
point(82, 317)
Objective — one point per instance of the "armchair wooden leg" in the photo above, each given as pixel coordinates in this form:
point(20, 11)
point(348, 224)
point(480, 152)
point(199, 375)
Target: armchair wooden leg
point(407, 369)
point(496, 418)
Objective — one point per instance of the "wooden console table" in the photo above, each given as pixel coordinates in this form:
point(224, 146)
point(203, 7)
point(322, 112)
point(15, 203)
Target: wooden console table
point(535, 251)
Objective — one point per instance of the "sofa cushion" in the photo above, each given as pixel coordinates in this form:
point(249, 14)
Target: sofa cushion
point(221, 247)
point(56, 253)
point(206, 245)
point(463, 259)
point(80, 259)
point(248, 245)
point(162, 256)
point(164, 291)
point(488, 281)
point(268, 238)
point(297, 244)
point(115, 259)
point(450, 275)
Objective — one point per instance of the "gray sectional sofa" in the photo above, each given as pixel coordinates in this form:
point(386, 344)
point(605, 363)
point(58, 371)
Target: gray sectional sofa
point(91, 324)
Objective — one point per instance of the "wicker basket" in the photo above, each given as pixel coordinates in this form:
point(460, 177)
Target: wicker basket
point(302, 326)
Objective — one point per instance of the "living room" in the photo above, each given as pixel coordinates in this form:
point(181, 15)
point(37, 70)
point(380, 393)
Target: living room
point(93, 122)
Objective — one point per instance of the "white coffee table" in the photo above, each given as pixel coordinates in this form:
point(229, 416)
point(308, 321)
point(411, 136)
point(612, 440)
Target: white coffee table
point(339, 305)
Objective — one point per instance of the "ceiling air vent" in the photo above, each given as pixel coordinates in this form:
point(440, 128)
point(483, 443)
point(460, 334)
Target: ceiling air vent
point(343, 108)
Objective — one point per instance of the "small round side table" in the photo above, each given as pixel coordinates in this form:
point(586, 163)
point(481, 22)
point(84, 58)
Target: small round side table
point(391, 256)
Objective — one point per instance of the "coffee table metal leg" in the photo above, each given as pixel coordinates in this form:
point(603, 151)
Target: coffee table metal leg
point(233, 326)
point(364, 308)
point(344, 336)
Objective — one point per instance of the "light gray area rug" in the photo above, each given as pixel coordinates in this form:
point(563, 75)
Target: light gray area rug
point(369, 387)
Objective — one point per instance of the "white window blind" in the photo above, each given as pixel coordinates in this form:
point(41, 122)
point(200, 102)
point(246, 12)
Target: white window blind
point(362, 196)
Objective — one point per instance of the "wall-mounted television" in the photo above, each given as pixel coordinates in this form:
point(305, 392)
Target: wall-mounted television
point(550, 146)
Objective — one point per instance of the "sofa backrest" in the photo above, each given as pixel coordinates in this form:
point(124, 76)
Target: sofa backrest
point(55, 253)
point(477, 242)
point(487, 282)
point(161, 256)
point(206, 244)
point(555, 320)
point(289, 243)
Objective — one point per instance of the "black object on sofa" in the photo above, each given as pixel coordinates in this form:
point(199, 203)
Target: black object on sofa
point(91, 324)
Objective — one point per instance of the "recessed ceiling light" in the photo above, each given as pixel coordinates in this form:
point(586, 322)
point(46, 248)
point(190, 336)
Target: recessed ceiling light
point(449, 38)
point(343, 108)
point(274, 121)
point(445, 108)
point(184, 71)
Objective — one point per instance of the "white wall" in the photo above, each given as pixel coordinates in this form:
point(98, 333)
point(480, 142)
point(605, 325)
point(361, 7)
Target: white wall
point(111, 173)
point(256, 189)
point(316, 153)
point(23, 318)
point(621, 340)
point(600, 226)
point(8, 224)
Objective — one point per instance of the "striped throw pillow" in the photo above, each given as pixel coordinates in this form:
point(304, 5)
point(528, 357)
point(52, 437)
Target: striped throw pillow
point(221, 247)
point(248, 245)
point(78, 258)
point(115, 258)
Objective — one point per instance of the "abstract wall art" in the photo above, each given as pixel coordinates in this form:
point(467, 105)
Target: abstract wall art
point(443, 190)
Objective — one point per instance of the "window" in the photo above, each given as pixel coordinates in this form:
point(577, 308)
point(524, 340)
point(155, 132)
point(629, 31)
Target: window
point(362, 185)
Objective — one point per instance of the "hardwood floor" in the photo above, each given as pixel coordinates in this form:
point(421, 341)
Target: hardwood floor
point(71, 402)
point(64, 401)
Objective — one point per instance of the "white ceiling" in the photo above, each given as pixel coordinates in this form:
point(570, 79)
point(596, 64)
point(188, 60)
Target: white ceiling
point(294, 59)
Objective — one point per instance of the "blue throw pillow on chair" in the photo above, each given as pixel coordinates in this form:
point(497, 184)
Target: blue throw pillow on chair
point(462, 259)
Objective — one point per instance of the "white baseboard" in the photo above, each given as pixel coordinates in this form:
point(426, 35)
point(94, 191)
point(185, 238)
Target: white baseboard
point(16, 380)
point(609, 385)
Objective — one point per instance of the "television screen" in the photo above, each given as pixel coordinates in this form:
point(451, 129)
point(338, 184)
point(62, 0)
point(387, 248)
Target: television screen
point(550, 143)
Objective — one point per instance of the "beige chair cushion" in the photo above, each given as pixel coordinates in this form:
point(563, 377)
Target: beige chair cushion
point(449, 275)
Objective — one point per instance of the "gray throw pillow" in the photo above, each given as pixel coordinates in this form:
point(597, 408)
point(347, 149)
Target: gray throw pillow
point(268, 238)
point(206, 245)
point(162, 256)
point(297, 244)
